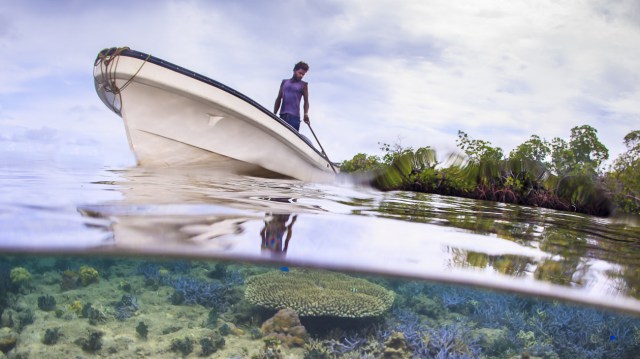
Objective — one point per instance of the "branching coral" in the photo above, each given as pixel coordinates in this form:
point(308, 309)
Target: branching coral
point(194, 291)
point(126, 307)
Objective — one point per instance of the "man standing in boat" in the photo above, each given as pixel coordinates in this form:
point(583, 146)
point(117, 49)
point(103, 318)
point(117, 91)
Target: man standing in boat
point(288, 100)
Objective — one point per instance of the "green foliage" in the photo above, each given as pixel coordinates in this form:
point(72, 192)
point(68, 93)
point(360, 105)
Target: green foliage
point(623, 179)
point(583, 154)
point(393, 152)
point(534, 149)
point(361, 163)
point(478, 149)
point(560, 174)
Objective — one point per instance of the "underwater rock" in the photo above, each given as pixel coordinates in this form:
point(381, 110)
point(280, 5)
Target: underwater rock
point(125, 286)
point(424, 305)
point(46, 303)
point(23, 318)
point(319, 293)
point(171, 329)
point(51, 336)
point(211, 344)
point(218, 272)
point(286, 327)
point(395, 347)
point(183, 346)
point(8, 339)
point(7, 319)
point(126, 307)
point(212, 317)
point(177, 298)
point(17, 320)
point(92, 343)
point(229, 328)
point(69, 280)
point(494, 341)
point(94, 315)
point(142, 330)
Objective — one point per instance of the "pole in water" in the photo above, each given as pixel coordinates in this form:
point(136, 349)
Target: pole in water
point(319, 144)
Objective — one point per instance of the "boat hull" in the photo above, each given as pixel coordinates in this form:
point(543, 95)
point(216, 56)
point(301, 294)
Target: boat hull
point(173, 119)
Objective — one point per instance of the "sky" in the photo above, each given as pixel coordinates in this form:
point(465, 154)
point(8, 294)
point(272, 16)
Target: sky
point(407, 72)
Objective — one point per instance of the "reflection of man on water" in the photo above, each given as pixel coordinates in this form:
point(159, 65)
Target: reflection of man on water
point(273, 232)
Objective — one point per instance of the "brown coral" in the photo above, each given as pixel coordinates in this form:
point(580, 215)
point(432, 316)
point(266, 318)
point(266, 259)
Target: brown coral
point(318, 293)
point(285, 327)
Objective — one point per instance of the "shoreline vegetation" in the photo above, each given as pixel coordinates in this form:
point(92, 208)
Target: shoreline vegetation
point(560, 174)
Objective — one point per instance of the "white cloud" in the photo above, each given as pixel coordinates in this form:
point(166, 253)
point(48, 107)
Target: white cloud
point(500, 71)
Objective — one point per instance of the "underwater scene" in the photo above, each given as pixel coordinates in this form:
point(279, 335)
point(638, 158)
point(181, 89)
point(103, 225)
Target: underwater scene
point(150, 263)
point(119, 307)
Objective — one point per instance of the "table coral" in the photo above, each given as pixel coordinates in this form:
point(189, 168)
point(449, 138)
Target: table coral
point(319, 293)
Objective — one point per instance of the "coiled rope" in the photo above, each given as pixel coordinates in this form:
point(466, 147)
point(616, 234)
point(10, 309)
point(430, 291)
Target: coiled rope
point(110, 58)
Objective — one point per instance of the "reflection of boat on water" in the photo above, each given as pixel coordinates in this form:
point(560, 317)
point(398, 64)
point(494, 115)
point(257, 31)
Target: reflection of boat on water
point(175, 117)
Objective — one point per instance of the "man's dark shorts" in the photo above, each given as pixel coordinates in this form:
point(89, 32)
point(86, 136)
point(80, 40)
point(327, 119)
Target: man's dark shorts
point(293, 121)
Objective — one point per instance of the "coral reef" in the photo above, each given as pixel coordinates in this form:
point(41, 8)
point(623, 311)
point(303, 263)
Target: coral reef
point(315, 349)
point(426, 320)
point(51, 336)
point(69, 280)
point(194, 291)
point(94, 315)
point(75, 307)
point(449, 340)
point(142, 330)
point(183, 346)
point(46, 303)
point(17, 318)
point(19, 276)
point(272, 350)
point(319, 293)
point(396, 347)
point(92, 343)
point(285, 327)
point(211, 344)
point(126, 307)
point(8, 339)
point(88, 275)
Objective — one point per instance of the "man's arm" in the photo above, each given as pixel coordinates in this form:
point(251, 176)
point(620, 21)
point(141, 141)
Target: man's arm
point(278, 100)
point(305, 96)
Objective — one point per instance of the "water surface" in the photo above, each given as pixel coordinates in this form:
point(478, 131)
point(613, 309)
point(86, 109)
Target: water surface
point(200, 213)
point(177, 246)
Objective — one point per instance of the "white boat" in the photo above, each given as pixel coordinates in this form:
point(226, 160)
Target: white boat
point(175, 117)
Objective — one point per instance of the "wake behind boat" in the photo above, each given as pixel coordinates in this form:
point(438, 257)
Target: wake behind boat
point(175, 117)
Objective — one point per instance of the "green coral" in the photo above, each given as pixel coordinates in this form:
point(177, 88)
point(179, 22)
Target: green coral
point(19, 275)
point(88, 275)
point(316, 293)
point(75, 306)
